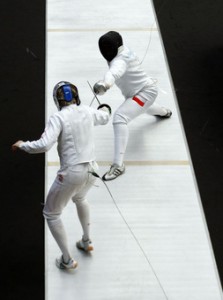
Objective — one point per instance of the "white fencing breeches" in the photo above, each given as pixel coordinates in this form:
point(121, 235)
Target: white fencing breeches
point(129, 110)
point(72, 183)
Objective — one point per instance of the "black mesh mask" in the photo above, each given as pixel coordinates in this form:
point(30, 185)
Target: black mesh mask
point(109, 44)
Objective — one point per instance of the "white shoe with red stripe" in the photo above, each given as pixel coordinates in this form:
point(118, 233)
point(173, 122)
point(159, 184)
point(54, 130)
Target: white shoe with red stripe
point(85, 245)
point(71, 264)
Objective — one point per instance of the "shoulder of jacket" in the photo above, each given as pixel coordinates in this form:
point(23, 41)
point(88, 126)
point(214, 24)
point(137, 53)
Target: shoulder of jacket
point(57, 117)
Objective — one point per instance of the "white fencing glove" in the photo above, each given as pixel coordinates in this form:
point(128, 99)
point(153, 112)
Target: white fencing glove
point(105, 107)
point(100, 88)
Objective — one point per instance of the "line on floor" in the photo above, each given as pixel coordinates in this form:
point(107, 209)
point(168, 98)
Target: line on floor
point(136, 163)
point(97, 29)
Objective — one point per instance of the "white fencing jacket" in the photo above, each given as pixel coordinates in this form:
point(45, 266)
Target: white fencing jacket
point(126, 72)
point(72, 128)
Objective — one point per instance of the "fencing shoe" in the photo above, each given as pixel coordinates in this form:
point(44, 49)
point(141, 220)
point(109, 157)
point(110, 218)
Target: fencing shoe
point(167, 115)
point(85, 245)
point(114, 172)
point(72, 264)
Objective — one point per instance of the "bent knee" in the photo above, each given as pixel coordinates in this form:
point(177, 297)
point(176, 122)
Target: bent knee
point(119, 117)
point(78, 200)
point(48, 215)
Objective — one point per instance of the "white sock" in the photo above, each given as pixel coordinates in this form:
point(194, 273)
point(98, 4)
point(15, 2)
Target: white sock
point(121, 133)
point(83, 212)
point(57, 229)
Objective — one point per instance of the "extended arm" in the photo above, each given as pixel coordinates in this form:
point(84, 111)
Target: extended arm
point(116, 71)
point(46, 141)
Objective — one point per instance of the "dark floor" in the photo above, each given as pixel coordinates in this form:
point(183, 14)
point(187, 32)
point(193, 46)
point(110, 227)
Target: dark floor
point(22, 177)
point(192, 36)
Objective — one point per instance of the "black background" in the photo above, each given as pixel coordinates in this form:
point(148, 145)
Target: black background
point(192, 34)
point(22, 116)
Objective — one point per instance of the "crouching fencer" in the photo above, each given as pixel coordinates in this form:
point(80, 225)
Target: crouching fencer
point(139, 91)
point(72, 128)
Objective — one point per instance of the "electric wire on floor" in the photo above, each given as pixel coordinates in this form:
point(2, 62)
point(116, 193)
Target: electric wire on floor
point(132, 233)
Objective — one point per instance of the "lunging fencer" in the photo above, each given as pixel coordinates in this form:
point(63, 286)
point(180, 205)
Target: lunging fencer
point(138, 89)
point(72, 127)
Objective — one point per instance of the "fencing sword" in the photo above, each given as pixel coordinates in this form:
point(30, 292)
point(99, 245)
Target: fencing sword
point(95, 96)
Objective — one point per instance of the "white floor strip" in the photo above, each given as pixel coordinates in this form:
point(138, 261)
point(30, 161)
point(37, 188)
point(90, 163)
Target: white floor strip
point(157, 196)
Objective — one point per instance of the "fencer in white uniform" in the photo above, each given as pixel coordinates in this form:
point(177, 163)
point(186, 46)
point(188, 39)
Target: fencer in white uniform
point(72, 127)
point(139, 91)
